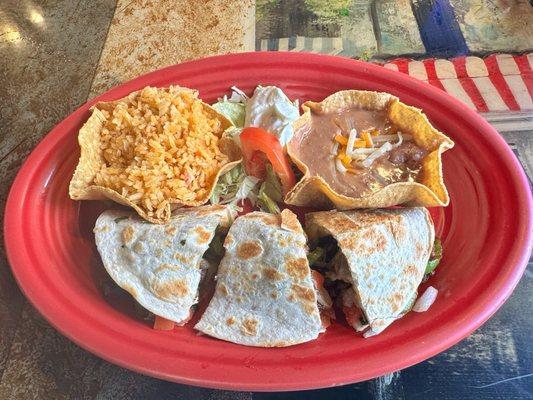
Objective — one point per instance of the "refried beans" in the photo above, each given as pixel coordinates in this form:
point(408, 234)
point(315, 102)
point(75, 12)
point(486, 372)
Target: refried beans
point(315, 143)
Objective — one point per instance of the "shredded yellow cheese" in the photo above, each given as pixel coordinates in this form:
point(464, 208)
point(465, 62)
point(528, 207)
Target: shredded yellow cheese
point(368, 139)
point(359, 144)
point(362, 147)
point(341, 139)
point(344, 158)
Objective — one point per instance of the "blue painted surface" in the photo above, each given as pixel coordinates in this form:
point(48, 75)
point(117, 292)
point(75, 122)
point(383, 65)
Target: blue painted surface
point(439, 29)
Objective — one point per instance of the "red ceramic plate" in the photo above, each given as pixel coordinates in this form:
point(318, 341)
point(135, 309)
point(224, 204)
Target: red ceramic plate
point(486, 234)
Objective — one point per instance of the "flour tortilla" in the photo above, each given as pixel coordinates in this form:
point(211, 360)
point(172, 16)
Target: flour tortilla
point(264, 295)
point(159, 265)
point(428, 191)
point(386, 255)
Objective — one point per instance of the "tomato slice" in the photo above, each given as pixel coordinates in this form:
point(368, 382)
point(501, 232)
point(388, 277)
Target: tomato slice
point(258, 143)
point(256, 165)
point(163, 324)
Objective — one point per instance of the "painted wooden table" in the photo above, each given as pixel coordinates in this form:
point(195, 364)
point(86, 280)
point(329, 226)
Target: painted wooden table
point(54, 55)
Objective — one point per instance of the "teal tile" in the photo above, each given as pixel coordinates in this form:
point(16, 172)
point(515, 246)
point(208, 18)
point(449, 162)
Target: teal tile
point(397, 29)
point(490, 26)
point(356, 27)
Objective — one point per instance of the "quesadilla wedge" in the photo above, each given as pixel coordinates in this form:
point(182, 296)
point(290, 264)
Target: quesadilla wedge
point(264, 294)
point(375, 261)
point(161, 266)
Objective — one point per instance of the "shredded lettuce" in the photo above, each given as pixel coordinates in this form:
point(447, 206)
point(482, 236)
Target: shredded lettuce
point(315, 255)
point(234, 186)
point(233, 108)
point(272, 183)
point(266, 204)
point(270, 192)
point(235, 112)
point(435, 258)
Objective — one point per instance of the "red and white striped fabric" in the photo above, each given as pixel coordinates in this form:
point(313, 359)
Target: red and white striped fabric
point(499, 82)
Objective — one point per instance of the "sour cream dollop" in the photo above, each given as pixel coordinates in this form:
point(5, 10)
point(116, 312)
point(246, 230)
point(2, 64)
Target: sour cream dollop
point(269, 108)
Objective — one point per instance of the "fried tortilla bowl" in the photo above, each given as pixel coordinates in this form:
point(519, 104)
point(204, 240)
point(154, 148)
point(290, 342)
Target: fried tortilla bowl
point(154, 150)
point(427, 191)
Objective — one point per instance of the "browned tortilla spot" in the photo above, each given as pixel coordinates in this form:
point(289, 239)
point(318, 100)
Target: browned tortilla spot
point(138, 247)
point(179, 257)
point(291, 297)
point(273, 274)
point(410, 270)
point(203, 235)
point(230, 321)
point(254, 276)
point(249, 327)
point(168, 289)
point(270, 219)
point(395, 299)
point(280, 343)
point(296, 267)
point(282, 243)
point(341, 223)
point(351, 243)
point(367, 243)
point(202, 212)
point(239, 299)
point(419, 250)
point(158, 252)
point(399, 232)
point(309, 308)
point(274, 295)
point(368, 219)
point(303, 293)
point(223, 290)
point(267, 219)
point(248, 250)
point(127, 234)
point(379, 240)
point(104, 228)
point(171, 230)
point(164, 266)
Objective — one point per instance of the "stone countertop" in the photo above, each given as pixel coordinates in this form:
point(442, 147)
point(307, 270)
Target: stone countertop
point(55, 55)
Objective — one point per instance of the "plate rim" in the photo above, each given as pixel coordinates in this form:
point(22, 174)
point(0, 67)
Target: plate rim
point(522, 248)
